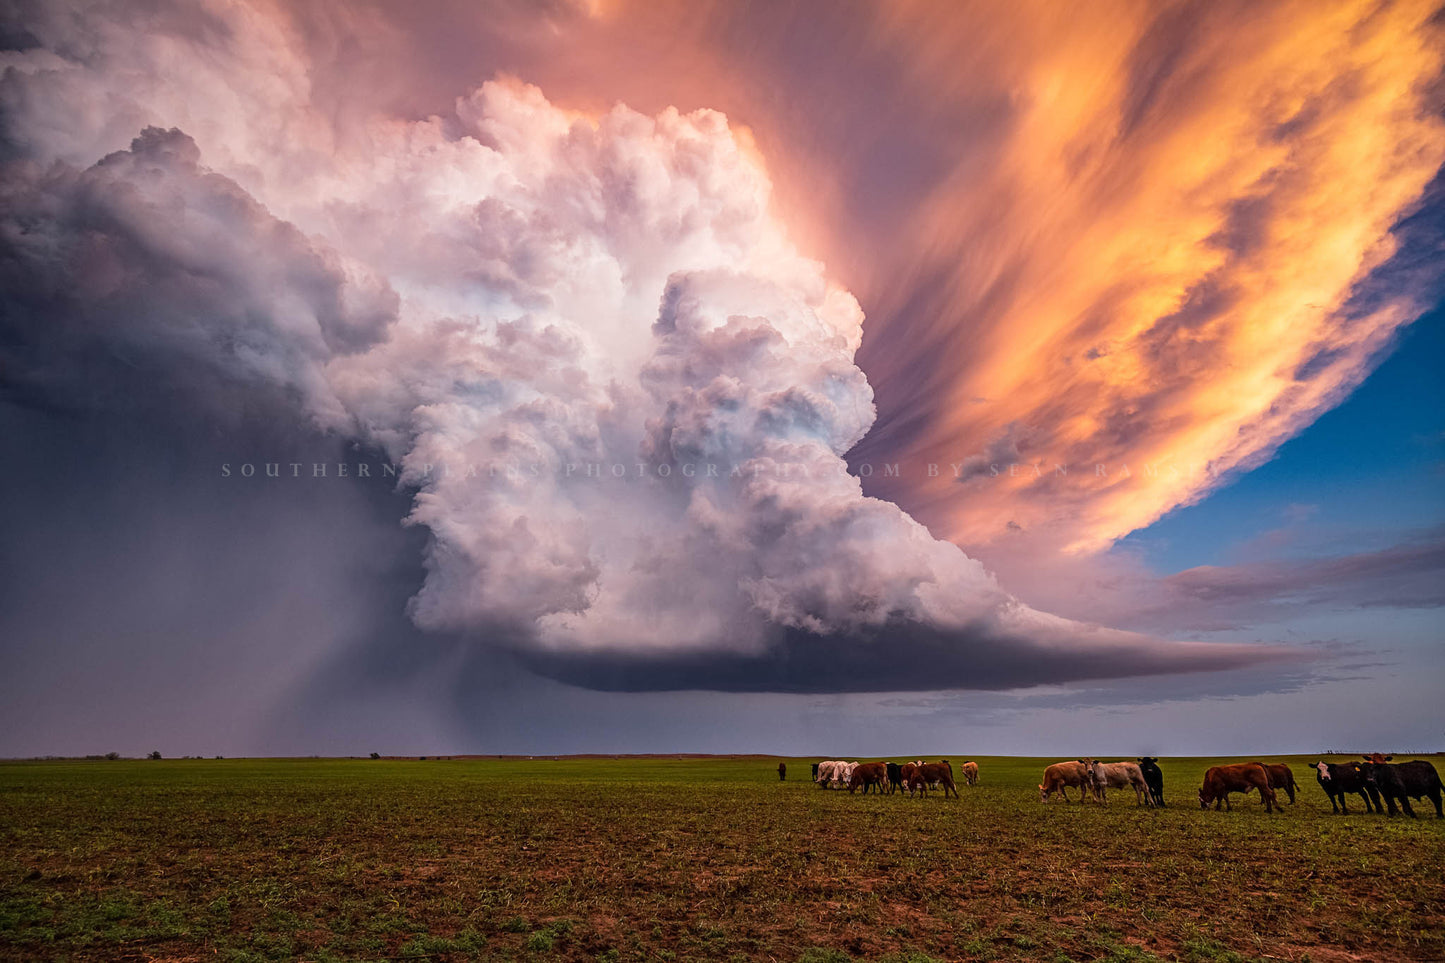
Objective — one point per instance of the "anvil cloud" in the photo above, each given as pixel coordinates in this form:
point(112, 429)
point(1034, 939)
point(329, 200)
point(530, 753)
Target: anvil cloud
point(1185, 212)
point(1135, 265)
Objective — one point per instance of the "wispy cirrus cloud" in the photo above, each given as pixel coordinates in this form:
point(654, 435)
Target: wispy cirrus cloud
point(1286, 578)
point(1409, 574)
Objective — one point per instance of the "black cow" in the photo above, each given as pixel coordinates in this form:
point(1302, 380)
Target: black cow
point(815, 772)
point(1336, 779)
point(1416, 779)
point(1153, 778)
point(895, 777)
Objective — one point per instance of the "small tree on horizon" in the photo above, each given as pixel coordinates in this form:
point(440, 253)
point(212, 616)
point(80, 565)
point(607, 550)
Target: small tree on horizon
point(156, 754)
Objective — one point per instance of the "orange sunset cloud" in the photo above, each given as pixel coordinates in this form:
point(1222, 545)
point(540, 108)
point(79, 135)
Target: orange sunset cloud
point(1152, 276)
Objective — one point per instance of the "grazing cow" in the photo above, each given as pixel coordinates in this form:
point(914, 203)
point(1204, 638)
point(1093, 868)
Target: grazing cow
point(1220, 781)
point(918, 764)
point(843, 775)
point(1280, 778)
point(872, 775)
point(970, 773)
point(782, 771)
point(908, 775)
point(1336, 779)
point(1119, 775)
point(825, 773)
point(936, 773)
point(1061, 775)
point(895, 777)
point(1404, 781)
point(935, 783)
point(1153, 778)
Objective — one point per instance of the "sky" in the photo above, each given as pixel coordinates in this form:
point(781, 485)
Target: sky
point(804, 378)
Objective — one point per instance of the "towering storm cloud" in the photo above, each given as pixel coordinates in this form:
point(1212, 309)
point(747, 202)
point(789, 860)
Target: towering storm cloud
point(620, 395)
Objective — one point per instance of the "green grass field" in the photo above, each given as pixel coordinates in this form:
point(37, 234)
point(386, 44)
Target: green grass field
point(687, 859)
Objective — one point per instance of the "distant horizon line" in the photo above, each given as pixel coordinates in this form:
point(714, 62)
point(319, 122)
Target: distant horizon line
point(560, 756)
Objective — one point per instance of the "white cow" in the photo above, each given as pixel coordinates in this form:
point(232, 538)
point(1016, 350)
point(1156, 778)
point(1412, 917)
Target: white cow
point(1119, 775)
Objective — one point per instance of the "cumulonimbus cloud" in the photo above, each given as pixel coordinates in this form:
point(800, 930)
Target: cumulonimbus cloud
point(512, 285)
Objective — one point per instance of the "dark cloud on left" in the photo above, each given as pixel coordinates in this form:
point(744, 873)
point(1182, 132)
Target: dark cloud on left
point(148, 280)
point(157, 324)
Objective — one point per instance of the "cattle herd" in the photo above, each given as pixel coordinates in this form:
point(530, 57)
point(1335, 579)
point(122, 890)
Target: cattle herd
point(1378, 781)
point(890, 777)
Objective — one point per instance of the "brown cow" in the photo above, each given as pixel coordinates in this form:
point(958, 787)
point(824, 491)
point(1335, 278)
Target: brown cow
point(907, 774)
point(869, 775)
point(970, 773)
point(934, 783)
point(1280, 778)
point(935, 772)
point(1220, 781)
point(1061, 775)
